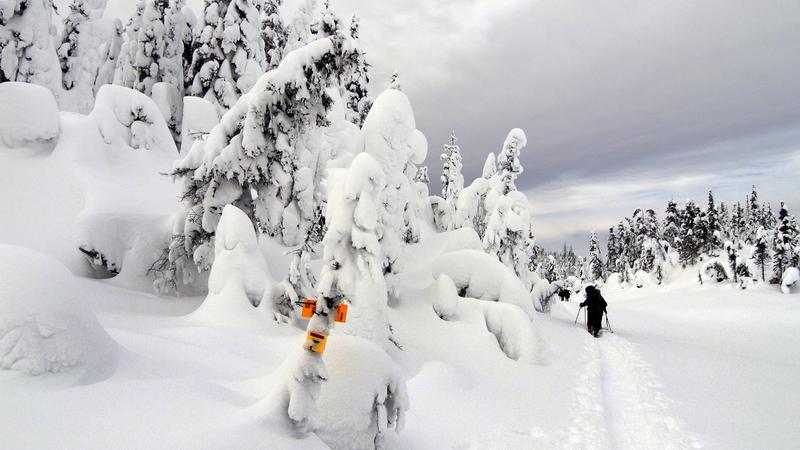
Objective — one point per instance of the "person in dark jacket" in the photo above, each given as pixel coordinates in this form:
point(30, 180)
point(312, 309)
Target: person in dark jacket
point(595, 305)
point(563, 294)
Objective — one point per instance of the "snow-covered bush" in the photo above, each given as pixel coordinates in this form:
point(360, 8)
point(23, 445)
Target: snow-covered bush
point(790, 278)
point(239, 277)
point(363, 396)
point(507, 234)
point(445, 297)
point(29, 115)
point(715, 270)
point(43, 326)
point(128, 117)
point(482, 276)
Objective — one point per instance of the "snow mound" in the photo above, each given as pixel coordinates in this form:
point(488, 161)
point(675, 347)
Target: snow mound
point(482, 276)
point(29, 114)
point(128, 116)
point(445, 300)
point(461, 239)
point(363, 396)
point(390, 133)
point(239, 277)
point(42, 326)
point(790, 277)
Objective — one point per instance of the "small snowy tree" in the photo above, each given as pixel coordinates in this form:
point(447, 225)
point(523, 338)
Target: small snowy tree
point(452, 179)
point(714, 226)
point(690, 243)
point(761, 251)
point(506, 234)
point(596, 271)
point(611, 251)
point(508, 164)
point(353, 273)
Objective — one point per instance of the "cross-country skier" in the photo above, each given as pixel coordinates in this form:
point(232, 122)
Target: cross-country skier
point(596, 305)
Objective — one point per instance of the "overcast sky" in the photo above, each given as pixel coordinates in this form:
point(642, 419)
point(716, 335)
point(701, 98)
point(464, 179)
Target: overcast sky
point(625, 103)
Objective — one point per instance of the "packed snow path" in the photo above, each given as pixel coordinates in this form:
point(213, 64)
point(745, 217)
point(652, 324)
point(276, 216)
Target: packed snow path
point(618, 403)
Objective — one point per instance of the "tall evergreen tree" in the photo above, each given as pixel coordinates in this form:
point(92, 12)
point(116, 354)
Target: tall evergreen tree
point(355, 86)
point(714, 227)
point(783, 243)
point(258, 149)
point(228, 54)
point(761, 250)
point(690, 243)
point(452, 179)
point(611, 251)
point(672, 224)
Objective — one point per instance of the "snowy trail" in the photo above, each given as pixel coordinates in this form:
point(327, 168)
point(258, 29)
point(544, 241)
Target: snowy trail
point(618, 403)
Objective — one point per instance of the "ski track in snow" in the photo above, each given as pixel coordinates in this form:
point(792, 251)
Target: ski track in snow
point(619, 404)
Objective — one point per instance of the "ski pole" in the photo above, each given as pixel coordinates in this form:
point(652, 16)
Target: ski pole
point(579, 314)
point(608, 323)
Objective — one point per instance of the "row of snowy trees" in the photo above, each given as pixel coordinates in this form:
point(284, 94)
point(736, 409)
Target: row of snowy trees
point(742, 242)
point(219, 56)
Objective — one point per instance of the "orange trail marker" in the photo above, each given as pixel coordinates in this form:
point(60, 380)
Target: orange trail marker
point(341, 313)
point(309, 305)
point(316, 341)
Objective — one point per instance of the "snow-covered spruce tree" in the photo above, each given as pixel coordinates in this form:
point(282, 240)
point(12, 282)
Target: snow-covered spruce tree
point(298, 31)
point(391, 137)
point(228, 54)
point(125, 73)
point(353, 272)
point(27, 44)
point(784, 241)
point(144, 47)
point(506, 234)
point(690, 244)
point(714, 227)
point(739, 222)
point(356, 93)
point(273, 33)
point(672, 224)
point(258, 148)
point(724, 222)
point(611, 251)
point(452, 179)
point(761, 254)
point(109, 56)
point(595, 272)
point(757, 216)
point(79, 53)
point(508, 164)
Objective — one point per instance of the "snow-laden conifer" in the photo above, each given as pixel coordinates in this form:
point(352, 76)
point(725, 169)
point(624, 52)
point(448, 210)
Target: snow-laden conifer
point(27, 44)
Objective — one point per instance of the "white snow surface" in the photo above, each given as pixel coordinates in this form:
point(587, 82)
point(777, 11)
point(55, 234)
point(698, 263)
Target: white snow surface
point(29, 115)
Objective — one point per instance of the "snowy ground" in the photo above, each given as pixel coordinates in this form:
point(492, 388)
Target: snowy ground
point(688, 367)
